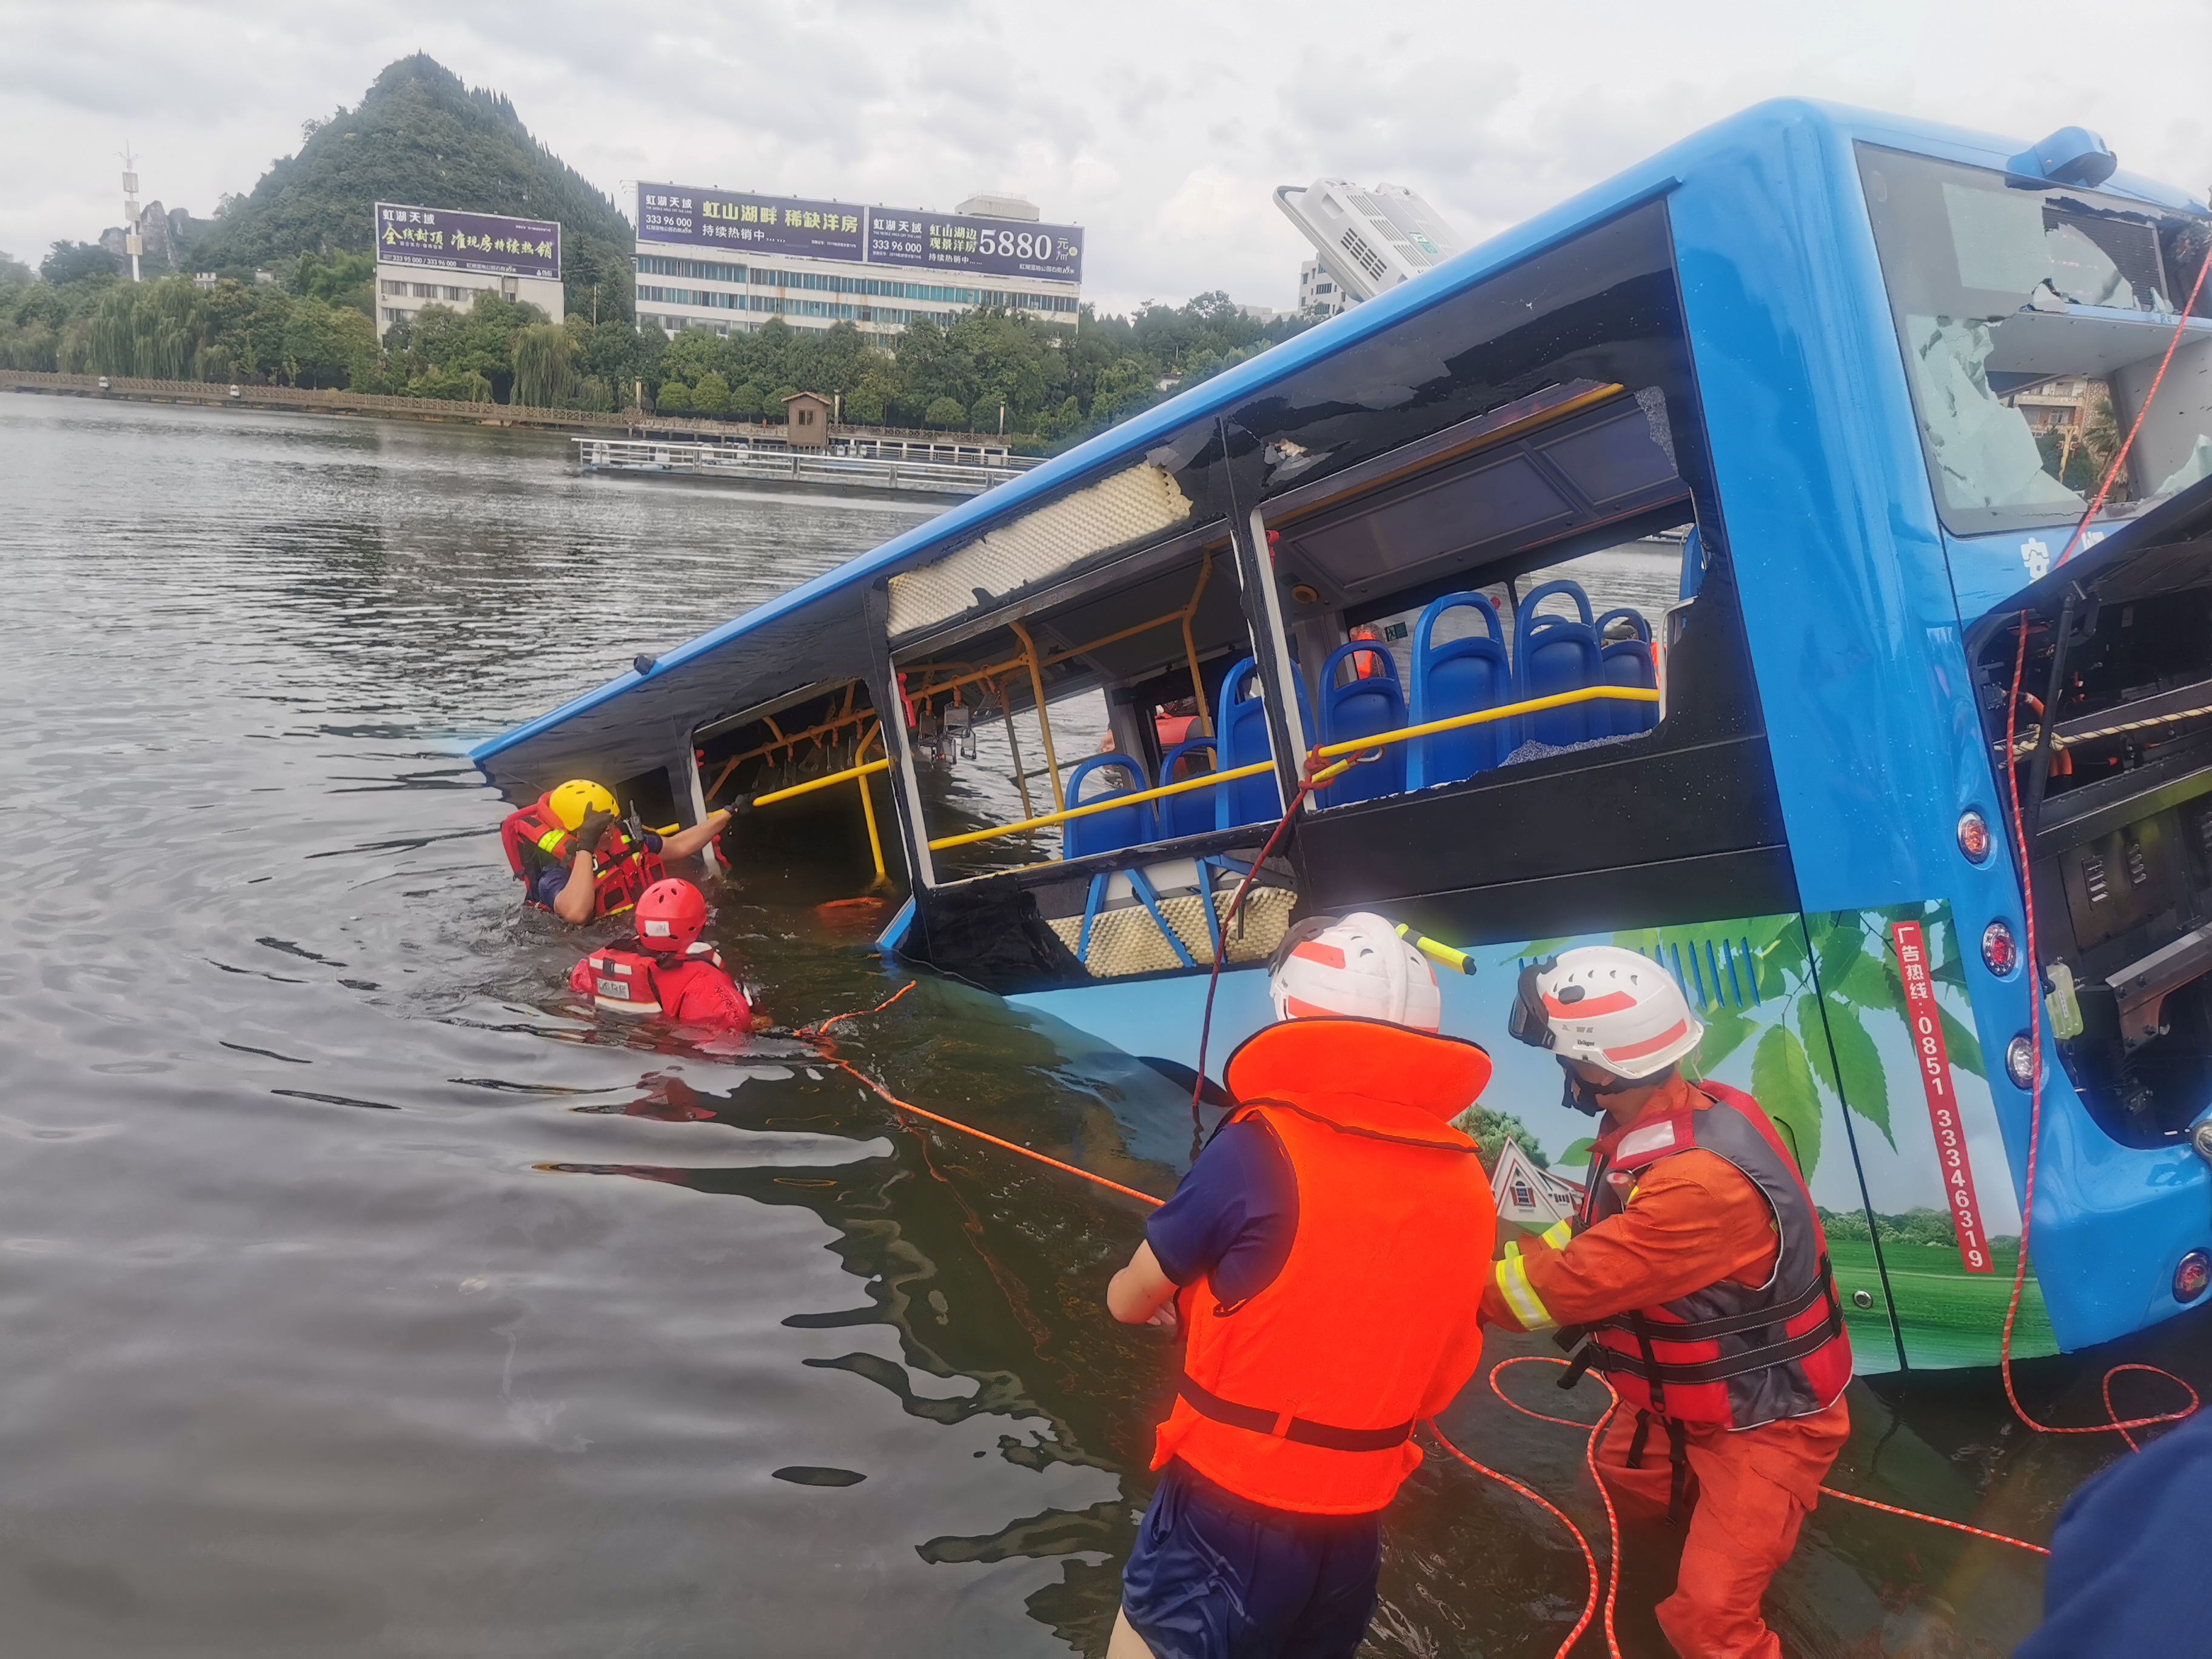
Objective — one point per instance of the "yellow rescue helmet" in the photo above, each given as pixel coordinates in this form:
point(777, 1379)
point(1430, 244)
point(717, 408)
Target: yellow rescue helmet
point(576, 800)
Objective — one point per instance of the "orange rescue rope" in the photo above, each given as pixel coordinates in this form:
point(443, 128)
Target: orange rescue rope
point(2050, 717)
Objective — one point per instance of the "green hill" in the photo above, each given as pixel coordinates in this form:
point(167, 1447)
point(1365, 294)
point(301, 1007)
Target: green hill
point(420, 135)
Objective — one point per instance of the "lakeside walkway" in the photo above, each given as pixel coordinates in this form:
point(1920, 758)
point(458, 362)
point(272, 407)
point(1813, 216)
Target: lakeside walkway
point(981, 448)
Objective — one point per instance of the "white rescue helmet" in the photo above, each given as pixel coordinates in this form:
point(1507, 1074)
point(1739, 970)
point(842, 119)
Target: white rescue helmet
point(1610, 1007)
point(1354, 966)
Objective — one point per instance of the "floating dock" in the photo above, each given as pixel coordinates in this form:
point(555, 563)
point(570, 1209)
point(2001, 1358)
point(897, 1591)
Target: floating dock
point(889, 467)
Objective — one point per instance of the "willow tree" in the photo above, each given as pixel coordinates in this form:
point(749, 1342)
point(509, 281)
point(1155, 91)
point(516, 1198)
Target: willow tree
point(544, 365)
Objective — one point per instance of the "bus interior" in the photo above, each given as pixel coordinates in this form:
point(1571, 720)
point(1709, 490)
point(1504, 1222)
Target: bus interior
point(1503, 500)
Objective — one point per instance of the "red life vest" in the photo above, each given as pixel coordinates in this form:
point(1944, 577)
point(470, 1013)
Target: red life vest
point(1304, 1395)
point(1733, 1354)
point(625, 978)
point(532, 835)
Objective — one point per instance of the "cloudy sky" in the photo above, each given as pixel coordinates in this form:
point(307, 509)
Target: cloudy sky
point(1162, 128)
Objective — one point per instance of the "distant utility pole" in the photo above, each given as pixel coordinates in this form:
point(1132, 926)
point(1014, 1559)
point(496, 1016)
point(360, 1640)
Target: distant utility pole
point(133, 244)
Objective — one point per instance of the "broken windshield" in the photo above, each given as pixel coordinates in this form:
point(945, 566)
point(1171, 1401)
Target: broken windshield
point(2032, 319)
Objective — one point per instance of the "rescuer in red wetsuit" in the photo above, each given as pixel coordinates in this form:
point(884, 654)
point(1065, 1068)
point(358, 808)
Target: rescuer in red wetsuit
point(664, 972)
point(1316, 1259)
point(1697, 1266)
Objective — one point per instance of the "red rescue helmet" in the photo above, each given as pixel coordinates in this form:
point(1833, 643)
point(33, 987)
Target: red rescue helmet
point(669, 915)
point(1353, 965)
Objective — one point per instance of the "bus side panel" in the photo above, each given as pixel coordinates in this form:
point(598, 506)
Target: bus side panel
point(1908, 1070)
point(1750, 981)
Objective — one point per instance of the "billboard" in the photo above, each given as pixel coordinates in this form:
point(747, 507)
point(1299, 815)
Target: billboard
point(757, 224)
point(731, 220)
point(1001, 248)
point(451, 240)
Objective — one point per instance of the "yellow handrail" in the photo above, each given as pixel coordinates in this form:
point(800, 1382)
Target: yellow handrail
point(822, 782)
point(1479, 717)
point(868, 801)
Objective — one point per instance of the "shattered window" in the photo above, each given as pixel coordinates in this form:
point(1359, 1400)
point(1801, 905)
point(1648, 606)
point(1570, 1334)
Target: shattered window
point(2032, 319)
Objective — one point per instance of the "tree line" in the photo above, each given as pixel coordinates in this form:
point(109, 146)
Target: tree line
point(986, 370)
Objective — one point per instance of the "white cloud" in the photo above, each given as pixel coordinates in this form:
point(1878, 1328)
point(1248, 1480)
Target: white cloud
point(1163, 128)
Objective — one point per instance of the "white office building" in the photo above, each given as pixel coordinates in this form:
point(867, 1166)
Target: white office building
point(729, 260)
point(1320, 294)
point(440, 256)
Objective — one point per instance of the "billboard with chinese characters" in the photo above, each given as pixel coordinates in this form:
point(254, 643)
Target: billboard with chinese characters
point(753, 224)
point(733, 220)
point(1000, 248)
point(451, 240)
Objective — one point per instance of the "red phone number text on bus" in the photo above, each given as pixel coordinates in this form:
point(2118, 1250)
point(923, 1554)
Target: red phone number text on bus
point(1934, 1064)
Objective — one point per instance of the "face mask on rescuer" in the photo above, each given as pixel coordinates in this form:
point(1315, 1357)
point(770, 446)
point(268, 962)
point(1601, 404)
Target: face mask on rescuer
point(1583, 1095)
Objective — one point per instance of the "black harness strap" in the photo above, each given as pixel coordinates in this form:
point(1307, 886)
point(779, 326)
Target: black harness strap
point(1705, 1330)
point(1207, 1403)
point(1651, 1373)
point(1638, 1440)
point(1658, 1373)
point(1678, 1477)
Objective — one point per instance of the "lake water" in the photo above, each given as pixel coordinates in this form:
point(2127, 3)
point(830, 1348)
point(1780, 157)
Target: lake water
point(362, 1298)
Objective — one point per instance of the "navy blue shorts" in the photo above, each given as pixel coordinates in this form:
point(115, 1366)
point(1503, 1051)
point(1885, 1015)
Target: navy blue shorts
point(1215, 1575)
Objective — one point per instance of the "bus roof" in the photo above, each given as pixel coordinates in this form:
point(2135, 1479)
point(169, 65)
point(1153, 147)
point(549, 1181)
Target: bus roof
point(1671, 169)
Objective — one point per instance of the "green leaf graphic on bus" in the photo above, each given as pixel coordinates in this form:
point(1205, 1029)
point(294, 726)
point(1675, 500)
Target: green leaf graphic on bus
point(1782, 1082)
point(1807, 996)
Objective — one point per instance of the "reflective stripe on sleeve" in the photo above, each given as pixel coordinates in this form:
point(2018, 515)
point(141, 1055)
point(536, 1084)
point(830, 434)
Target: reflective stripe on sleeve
point(1512, 1274)
point(1559, 1234)
point(551, 841)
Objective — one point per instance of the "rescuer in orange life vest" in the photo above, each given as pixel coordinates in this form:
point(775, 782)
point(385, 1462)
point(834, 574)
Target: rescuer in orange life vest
point(1697, 1266)
point(1318, 1259)
point(665, 970)
point(576, 859)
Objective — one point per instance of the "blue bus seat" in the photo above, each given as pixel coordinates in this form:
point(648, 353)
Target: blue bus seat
point(1626, 663)
point(1459, 677)
point(1190, 813)
point(1693, 565)
point(1360, 710)
point(1107, 832)
point(1242, 732)
point(1552, 655)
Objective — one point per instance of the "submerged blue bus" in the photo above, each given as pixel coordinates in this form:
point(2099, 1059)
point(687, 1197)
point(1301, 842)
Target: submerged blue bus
point(1670, 562)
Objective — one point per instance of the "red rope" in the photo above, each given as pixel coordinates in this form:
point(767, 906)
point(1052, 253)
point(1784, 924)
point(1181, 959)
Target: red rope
point(2120, 455)
point(807, 1033)
point(1309, 782)
point(1005, 1146)
point(1589, 1560)
point(1933, 1520)
point(2035, 1017)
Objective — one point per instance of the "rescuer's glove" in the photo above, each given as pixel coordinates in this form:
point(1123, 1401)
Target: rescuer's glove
point(594, 827)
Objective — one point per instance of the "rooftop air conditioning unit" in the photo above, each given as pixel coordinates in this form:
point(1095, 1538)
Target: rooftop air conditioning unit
point(1370, 240)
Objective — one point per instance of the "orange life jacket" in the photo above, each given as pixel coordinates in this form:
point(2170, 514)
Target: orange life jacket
point(1304, 1395)
point(1734, 1354)
point(625, 868)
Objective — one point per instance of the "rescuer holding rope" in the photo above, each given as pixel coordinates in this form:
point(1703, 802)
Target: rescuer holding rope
point(1318, 1259)
point(576, 858)
point(1696, 1276)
